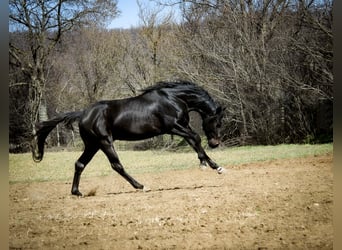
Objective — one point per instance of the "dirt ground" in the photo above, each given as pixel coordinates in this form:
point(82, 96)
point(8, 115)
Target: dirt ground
point(281, 204)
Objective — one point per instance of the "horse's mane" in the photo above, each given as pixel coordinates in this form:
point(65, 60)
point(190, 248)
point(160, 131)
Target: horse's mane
point(174, 85)
point(179, 86)
point(185, 90)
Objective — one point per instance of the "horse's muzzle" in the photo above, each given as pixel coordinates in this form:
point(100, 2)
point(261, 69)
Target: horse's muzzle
point(213, 143)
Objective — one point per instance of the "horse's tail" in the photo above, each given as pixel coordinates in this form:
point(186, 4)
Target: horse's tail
point(44, 128)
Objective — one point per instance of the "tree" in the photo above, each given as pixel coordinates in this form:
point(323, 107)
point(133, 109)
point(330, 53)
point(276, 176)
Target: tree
point(152, 32)
point(41, 25)
point(270, 63)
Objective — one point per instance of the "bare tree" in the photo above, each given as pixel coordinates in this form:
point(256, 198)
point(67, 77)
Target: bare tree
point(154, 31)
point(42, 24)
point(270, 62)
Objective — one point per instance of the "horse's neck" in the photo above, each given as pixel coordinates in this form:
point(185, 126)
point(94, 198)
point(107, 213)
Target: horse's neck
point(197, 103)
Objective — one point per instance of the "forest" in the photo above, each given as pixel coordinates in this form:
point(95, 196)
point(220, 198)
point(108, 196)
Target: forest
point(268, 62)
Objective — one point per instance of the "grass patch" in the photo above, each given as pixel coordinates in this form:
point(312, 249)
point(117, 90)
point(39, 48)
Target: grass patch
point(57, 166)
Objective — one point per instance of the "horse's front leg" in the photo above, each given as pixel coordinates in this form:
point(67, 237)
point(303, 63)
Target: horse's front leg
point(194, 141)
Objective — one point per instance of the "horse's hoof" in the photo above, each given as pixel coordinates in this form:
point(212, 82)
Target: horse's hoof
point(203, 165)
point(138, 186)
point(146, 189)
point(221, 170)
point(77, 193)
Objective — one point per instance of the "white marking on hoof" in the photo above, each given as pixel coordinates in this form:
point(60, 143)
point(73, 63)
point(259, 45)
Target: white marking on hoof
point(221, 170)
point(146, 189)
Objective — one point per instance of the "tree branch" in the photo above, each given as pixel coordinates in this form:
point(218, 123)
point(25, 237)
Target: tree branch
point(18, 84)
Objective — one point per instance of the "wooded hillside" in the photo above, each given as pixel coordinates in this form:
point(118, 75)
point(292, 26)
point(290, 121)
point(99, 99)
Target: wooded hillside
point(270, 63)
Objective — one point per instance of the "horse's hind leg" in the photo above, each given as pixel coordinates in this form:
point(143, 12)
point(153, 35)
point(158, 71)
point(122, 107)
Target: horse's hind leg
point(80, 164)
point(108, 149)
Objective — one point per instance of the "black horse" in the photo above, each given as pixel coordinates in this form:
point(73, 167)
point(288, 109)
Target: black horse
point(161, 109)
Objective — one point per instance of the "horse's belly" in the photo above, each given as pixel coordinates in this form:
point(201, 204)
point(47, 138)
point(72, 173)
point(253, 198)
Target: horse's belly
point(134, 133)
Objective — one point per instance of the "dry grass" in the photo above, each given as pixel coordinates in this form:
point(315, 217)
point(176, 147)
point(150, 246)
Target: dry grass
point(60, 165)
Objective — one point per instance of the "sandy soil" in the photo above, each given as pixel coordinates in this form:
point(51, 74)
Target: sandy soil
point(282, 204)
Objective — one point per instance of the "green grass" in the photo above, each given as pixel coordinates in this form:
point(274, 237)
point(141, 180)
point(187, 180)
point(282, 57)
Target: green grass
point(60, 165)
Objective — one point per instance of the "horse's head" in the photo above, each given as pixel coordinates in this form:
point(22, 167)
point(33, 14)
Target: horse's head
point(211, 126)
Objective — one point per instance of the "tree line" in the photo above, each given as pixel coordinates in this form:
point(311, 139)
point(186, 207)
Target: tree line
point(268, 62)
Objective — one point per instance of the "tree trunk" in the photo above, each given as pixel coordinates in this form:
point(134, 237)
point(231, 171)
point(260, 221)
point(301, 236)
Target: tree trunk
point(37, 106)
